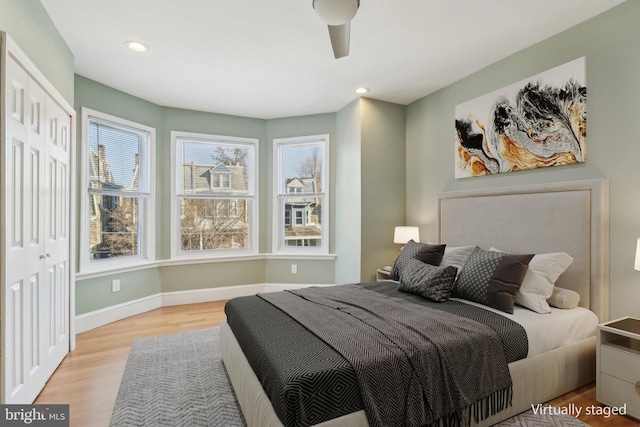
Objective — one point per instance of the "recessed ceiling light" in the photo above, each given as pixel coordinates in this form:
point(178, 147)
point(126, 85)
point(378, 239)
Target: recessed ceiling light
point(137, 46)
point(362, 90)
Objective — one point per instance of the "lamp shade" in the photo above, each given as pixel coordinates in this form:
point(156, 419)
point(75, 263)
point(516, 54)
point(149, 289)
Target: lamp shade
point(405, 233)
point(336, 12)
point(637, 266)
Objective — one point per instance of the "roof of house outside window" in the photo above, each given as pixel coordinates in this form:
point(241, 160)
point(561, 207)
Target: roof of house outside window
point(197, 178)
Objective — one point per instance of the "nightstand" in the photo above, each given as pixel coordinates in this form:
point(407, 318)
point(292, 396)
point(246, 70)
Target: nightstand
point(383, 273)
point(618, 364)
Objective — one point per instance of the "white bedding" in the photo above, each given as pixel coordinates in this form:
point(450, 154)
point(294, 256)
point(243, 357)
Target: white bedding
point(549, 331)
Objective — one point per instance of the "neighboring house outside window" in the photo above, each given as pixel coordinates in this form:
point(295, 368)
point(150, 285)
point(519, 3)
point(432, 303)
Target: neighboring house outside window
point(301, 205)
point(214, 195)
point(118, 198)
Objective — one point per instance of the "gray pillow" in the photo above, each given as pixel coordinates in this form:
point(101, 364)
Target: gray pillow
point(492, 278)
point(475, 275)
point(506, 280)
point(409, 251)
point(429, 281)
point(431, 254)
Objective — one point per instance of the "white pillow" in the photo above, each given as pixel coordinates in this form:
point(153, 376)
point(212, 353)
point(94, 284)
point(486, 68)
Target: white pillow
point(564, 298)
point(537, 286)
point(456, 256)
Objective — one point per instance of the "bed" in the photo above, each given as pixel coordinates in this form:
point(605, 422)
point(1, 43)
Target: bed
point(569, 217)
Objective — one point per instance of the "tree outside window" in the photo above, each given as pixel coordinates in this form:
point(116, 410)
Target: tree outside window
point(215, 194)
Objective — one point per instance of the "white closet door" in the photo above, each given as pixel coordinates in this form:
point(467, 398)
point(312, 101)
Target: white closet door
point(56, 225)
point(35, 304)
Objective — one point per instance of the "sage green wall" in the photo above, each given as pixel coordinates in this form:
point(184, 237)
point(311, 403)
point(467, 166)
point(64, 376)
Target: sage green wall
point(316, 272)
point(174, 119)
point(370, 193)
point(29, 25)
point(95, 293)
point(610, 44)
point(217, 274)
point(348, 193)
point(212, 275)
point(383, 183)
point(309, 271)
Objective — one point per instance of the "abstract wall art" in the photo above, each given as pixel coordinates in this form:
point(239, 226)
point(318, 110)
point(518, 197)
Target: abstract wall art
point(535, 123)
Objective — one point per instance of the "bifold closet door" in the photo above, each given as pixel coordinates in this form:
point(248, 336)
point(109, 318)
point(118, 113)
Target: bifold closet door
point(35, 303)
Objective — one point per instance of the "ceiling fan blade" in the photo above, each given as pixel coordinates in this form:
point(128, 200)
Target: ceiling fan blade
point(339, 35)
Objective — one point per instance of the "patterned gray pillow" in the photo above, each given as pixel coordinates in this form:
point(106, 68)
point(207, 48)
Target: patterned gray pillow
point(429, 281)
point(474, 278)
point(492, 278)
point(409, 252)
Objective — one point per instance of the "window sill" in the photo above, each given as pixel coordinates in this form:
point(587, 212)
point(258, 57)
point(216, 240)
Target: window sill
point(186, 260)
point(122, 268)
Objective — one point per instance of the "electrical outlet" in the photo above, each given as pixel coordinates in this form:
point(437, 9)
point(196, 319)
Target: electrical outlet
point(294, 268)
point(115, 285)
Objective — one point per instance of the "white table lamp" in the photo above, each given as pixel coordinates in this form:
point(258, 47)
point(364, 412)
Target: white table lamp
point(405, 233)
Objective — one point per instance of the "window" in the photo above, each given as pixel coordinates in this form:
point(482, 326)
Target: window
point(301, 184)
point(118, 197)
point(214, 195)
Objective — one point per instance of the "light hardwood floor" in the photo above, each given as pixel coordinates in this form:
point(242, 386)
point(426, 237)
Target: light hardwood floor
point(88, 378)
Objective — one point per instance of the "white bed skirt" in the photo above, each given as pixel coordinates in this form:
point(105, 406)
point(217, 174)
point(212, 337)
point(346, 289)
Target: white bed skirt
point(535, 380)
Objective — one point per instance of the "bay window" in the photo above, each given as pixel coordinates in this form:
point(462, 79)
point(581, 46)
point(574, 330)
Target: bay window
point(214, 198)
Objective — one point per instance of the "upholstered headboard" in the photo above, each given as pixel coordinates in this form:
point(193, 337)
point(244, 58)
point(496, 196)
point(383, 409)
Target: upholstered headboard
point(571, 217)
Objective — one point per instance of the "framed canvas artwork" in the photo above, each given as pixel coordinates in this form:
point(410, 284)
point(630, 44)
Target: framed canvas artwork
point(535, 123)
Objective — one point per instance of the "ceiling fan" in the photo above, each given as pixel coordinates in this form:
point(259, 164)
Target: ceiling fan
point(337, 14)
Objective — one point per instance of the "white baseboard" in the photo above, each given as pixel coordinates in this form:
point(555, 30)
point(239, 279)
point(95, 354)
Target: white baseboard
point(94, 319)
point(194, 296)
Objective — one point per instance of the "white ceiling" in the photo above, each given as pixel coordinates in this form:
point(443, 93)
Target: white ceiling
point(272, 58)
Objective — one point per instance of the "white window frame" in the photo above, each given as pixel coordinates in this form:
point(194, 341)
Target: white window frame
point(253, 214)
point(278, 246)
point(147, 204)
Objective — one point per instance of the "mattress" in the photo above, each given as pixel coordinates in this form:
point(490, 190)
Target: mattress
point(549, 331)
point(298, 357)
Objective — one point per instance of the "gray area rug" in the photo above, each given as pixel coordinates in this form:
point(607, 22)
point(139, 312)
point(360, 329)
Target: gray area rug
point(176, 380)
point(179, 380)
point(531, 419)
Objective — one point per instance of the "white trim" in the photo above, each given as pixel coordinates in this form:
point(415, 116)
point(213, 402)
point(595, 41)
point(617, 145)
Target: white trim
point(211, 294)
point(117, 270)
point(254, 191)
point(104, 316)
point(73, 231)
point(149, 207)
point(210, 259)
point(306, 256)
point(8, 47)
point(18, 54)
point(277, 231)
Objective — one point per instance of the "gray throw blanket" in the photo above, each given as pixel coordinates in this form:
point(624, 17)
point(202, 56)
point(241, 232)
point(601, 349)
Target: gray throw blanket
point(415, 367)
